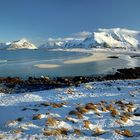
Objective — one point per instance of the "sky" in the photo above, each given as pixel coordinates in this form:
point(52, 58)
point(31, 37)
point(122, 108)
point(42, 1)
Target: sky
point(38, 20)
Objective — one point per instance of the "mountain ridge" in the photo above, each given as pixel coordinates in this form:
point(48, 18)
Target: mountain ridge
point(102, 38)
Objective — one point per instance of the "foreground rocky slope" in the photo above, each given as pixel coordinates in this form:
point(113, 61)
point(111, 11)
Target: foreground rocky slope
point(98, 110)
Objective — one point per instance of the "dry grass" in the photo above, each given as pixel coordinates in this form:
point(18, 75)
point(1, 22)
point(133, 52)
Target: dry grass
point(110, 107)
point(82, 110)
point(51, 121)
point(91, 106)
point(77, 132)
point(125, 132)
point(124, 118)
point(103, 109)
point(55, 132)
point(125, 106)
point(56, 105)
point(70, 91)
point(130, 108)
point(98, 132)
point(78, 114)
point(114, 112)
point(70, 120)
point(87, 123)
point(18, 131)
point(37, 117)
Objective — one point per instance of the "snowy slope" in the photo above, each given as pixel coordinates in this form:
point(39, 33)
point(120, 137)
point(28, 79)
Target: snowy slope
point(117, 37)
point(103, 38)
point(110, 110)
point(20, 44)
point(61, 43)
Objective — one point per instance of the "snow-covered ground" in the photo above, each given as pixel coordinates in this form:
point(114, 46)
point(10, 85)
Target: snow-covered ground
point(108, 110)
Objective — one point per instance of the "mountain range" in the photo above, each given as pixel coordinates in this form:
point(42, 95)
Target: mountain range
point(102, 38)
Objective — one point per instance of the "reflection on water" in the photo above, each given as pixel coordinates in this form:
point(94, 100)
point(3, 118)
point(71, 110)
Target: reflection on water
point(21, 63)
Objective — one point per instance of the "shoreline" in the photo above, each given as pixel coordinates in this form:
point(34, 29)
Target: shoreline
point(93, 57)
point(44, 66)
point(18, 85)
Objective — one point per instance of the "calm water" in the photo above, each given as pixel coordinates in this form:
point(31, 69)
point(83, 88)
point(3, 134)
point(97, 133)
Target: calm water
point(21, 63)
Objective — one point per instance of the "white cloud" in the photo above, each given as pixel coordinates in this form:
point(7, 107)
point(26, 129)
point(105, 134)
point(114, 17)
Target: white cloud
point(83, 34)
point(76, 36)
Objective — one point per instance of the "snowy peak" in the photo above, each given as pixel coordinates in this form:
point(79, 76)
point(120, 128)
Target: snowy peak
point(62, 43)
point(118, 38)
point(20, 44)
point(102, 38)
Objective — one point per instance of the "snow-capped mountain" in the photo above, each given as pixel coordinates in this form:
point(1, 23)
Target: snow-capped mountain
point(118, 38)
point(20, 44)
point(62, 43)
point(102, 38)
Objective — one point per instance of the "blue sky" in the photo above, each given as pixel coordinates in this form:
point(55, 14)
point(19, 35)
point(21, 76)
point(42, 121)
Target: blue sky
point(38, 20)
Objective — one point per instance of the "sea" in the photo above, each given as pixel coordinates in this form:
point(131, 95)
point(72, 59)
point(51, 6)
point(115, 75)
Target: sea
point(22, 63)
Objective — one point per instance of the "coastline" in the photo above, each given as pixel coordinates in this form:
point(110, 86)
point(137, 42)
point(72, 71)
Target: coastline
point(18, 85)
point(46, 66)
point(94, 57)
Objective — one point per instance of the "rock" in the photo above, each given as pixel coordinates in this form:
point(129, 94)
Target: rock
point(19, 119)
point(112, 57)
point(137, 112)
point(45, 104)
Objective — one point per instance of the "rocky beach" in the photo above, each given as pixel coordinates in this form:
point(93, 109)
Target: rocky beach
point(19, 85)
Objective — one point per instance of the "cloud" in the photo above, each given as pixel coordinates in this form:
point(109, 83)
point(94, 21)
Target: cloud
point(82, 34)
point(76, 36)
point(60, 39)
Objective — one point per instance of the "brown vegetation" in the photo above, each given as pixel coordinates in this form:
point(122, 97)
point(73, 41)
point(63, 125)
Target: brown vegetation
point(55, 132)
point(91, 106)
point(51, 121)
point(77, 132)
point(125, 132)
point(37, 117)
point(87, 123)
